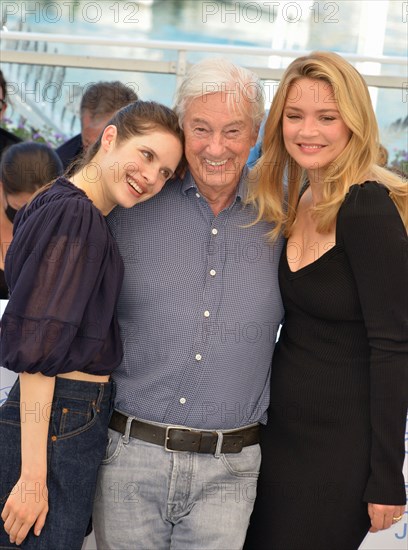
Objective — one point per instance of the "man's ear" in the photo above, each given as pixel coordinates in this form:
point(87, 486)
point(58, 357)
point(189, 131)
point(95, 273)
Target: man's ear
point(109, 137)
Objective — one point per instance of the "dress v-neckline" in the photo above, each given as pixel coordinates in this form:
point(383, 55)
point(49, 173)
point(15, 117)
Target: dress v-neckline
point(313, 265)
point(319, 260)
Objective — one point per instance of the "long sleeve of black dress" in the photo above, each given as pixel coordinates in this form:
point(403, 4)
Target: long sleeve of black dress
point(376, 246)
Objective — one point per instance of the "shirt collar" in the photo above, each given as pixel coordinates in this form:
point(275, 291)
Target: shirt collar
point(189, 183)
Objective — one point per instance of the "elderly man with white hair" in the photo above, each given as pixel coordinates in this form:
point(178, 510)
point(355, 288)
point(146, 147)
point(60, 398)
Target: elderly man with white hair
point(199, 312)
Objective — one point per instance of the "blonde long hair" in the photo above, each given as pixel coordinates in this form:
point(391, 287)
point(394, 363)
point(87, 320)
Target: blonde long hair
point(356, 163)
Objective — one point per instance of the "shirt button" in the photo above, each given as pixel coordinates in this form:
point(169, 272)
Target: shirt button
point(182, 400)
point(212, 272)
point(206, 313)
point(198, 356)
point(198, 195)
point(214, 231)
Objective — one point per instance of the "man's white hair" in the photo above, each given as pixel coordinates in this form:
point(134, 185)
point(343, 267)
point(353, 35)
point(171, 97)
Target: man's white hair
point(240, 86)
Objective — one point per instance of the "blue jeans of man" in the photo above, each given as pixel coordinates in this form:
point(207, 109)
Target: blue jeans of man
point(79, 419)
point(152, 499)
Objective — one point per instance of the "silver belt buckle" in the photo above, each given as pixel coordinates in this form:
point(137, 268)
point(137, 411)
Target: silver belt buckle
point(167, 437)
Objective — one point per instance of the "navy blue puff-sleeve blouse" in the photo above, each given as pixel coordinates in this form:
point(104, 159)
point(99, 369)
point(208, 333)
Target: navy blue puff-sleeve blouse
point(64, 273)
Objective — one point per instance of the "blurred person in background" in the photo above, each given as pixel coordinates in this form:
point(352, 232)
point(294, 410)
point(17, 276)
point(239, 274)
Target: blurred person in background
point(98, 104)
point(24, 168)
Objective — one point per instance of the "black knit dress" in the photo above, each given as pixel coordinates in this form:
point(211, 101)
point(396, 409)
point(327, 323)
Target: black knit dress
point(339, 386)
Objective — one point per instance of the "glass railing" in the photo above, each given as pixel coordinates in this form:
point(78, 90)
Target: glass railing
point(47, 73)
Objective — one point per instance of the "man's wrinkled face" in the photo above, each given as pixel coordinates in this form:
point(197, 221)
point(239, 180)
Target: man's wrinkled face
point(218, 138)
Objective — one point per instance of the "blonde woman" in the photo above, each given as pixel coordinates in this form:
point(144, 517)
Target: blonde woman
point(333, 449)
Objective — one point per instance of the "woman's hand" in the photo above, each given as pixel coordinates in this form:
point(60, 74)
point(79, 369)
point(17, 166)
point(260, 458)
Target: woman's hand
point(26, 506)
point(383, 516)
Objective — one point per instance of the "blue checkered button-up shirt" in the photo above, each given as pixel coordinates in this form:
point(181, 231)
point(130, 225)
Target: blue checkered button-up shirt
point(199, 310)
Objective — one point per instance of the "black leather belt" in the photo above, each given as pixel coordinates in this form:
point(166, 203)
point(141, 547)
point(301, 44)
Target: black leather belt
point(179, 438)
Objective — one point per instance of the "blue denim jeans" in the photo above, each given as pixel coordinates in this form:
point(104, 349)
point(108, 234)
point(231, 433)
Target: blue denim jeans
point(152, 499)
point(77, 439)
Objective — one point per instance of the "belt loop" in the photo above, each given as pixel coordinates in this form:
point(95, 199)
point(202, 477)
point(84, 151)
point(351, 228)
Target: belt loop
point(126, 435)
point(218, 448)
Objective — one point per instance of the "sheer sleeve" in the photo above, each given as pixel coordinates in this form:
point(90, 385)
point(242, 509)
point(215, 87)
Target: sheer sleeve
point(61, 305)
point(376, 244)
